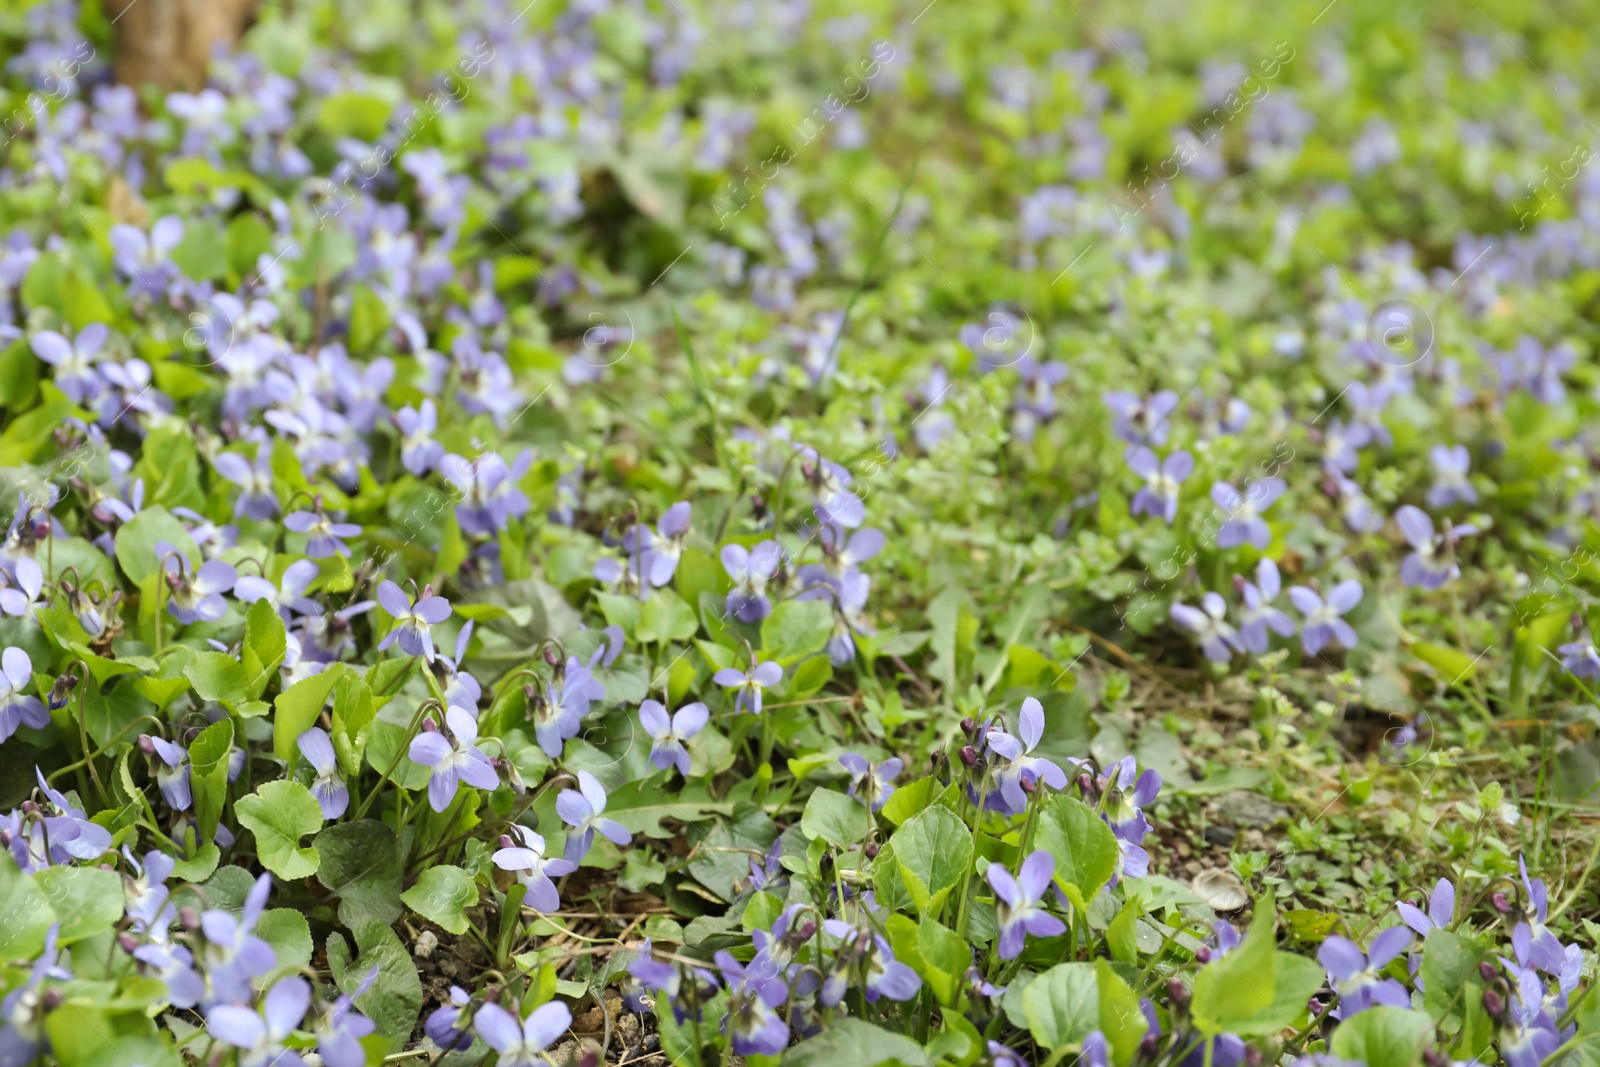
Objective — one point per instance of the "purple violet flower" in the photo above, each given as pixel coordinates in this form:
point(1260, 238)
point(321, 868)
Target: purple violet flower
point(261, 1038)
point(17, 708)
point(1244, 524)
point(196, 595)
point(324, 536)
point(454, 757)
point(668, 733)
point(1256, 613)
point(1323, 626)
point(1355, 976)
point(533, 869)
point(751, 570)
point(1159, 495)
point(868, 783)
point(583, 809)
point(413, 623)
point(749, 683)
point(1017, 899)
point(328, 787)
point(1209, 622)
point(257, 501)
point(1432, 560)
point(1450, 484)
point(520, 1043)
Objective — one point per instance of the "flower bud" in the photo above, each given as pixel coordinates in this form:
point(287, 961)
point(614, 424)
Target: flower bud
point(871, 850)
point(588, 1058)
point(52, 999)
point(128, 942)
point(1493, 1003)
point(1486, 971)
point(551, 656)
point(968, 726)
point(492, 996)
point(1147, 1046)
point(1500, 903)
point(62, 688)
point(506, 841)
point(189, 918)
point(1202, 955)
point(1177, 993)
point(147, 745)
point(969, 755)
point(429, 726)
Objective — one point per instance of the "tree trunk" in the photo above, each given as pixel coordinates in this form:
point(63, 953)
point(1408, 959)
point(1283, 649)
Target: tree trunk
point(167, 43)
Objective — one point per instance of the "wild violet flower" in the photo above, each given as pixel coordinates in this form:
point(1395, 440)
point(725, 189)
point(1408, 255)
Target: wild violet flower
point(1535, 945)
point(583, 809)
point(532, 868)
point(1450, 484)
point(173, 964)
point(558, 712)
point(450, 1025)
point(1432, 560)
point(866, 959)
point(1159, 495)
point(754, 995)
point(413, 623)
point(1125, 792)
point(751, 570)
point(419, 452)
point(21, 599)
point(1323, 624)
point(257, 501)
point(1441, 909)
point(145, 895)
point(454, 757)
point(871, 784)
point(170, 764)
point(521, 1042)
point(17, 708)
point(668, 733)
point(288, 595)
point(72, 835)
point(831, 497)
point(1209, 623)
point(489, 497)
point(1141, 421)
point(73, 360)
point(22, 1033)
point(328, 786)
point(1017, 767)
point(342, 1027)
point(664, 547)
point(146, 259)
point(1580, 658)
point(324, 536)
point(1017, 899)
point(233, 953)
point(1355, 976)
point(749, 684)
point(195, 595)
point(1244, 524)
point(261, 1037)
point(1257, 614)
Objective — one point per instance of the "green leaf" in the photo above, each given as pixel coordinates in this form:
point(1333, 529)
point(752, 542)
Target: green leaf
point(27, 911)
point(1121, 1019)
point(137, 540)
point(623, 611)
point(362, 866)
point(353, 712)
point(665, 617)
point(86, 900)
point(289, 934)
point(908, 800)
point(395, 999)
point(279, 814)
point(1084, 847)
point(1383, 1037)
point(297, 709)
point(932, 851)
point(1453, 665)
point(208, 775)
point(1062, 1005)
point(796, 629)
point(442, 895)
point(854, 1043)
point(217, 676)
point(200, 866)
point(265, 643)
point(1122, 934)
point(1231, 991)
point(836, 818)
point(1297, 979)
